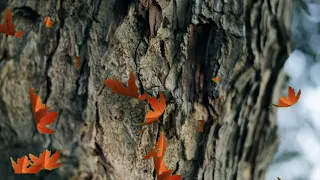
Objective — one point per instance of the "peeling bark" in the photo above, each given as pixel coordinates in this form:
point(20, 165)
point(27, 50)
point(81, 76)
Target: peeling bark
point(244, 42)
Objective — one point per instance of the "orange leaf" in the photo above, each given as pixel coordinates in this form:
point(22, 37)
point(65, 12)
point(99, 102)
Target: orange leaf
point(48, 22)
point(41, 115)
point(157, 153)
point(175, 177)
point(7, 27)
point(201, 125)
point(160, 148)
point(142, 97)
point(131, 90)
point(45, 160)
point(162, 171)
point(291, 100)
point(158, 109)
point(216, 79)
point(18, 34)
point(21, 167)
point(159, 165)
point(167, 176)
point(77, 65)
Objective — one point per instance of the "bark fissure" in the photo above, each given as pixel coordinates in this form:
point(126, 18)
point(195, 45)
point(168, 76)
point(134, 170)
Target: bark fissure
point(137, 66)
point(61, 15)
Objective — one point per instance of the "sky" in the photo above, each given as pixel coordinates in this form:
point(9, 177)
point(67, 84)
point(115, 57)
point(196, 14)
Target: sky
point(298, 154)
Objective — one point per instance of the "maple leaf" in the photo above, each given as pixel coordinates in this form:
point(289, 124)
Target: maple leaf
point(165, 174)
point(158, 109)
point(291, 100)
point(77, 65)
point(21, 167)
point(201, 125)
point(159, 165)
point(131, 90)
point(168, 176)
point(7, 27)
point(18, 34)
point(45, 160)
point(48, 22)
point(160, 148)
point(216, 79)
point(174, 177)
point(162, 171)
point(41, 115)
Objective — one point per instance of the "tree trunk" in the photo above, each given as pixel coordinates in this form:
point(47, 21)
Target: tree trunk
point(245, 43)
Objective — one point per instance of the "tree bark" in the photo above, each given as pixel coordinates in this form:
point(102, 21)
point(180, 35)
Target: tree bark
point(245, 43)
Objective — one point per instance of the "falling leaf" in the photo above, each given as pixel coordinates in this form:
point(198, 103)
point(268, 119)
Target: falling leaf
point(278, 178)
point(158, 109)
point(131, 90)
point(201, 125)
point(18, 34)
point(216, 79)
point(175, 177)
point(160, 148)
point(291, 100)
point(7, 27)
point(45, 160)
point(21, 167)
point(162, 171)
point(48, 22)
point(41, 115)
point(142, 97)
point(159, 165)
point(167, 176)
point(77, 65)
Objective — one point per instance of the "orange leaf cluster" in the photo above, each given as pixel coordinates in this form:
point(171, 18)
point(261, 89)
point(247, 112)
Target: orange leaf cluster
point(291, 100)
point(22, 166)
point(158, 107)
point(45, 160)
point(48, 22)
point(162, 171)
point(42, 118)
point(41, 115)
point(25, 166)
point(7, 27)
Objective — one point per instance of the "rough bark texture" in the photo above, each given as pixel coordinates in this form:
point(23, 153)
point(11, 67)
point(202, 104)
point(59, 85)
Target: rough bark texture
point(244, 42)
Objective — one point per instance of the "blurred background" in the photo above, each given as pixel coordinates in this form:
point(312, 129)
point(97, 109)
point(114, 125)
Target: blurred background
point(298, 155)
